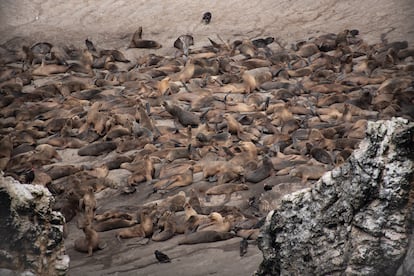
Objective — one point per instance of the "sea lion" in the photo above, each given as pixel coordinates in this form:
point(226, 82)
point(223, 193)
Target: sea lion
point(90, 242)
point(167, 225)
point(97, 148)
point(114, 214)
point(113, 223)
point(138, 42)
point(217, 223)
point(263, 42)
point(88, 204)
point(142, 230)
point(313, 172)
point(179, 180)
point(262, 172)
point(253, 78)
point(186, 118)
point(183, 42)
point(205, 237)
point(225, 171)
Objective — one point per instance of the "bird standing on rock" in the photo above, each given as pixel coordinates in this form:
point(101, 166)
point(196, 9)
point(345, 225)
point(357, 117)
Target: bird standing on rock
point(161, 257)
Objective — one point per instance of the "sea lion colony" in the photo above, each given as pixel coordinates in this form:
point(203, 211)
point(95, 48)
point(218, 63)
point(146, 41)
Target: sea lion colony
point(206, 142)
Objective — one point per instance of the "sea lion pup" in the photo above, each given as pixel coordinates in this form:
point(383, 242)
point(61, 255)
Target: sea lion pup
point(183, 43)
point(90, 242)
point(142, 230)
point(306, 172)
point(88, 204)
point(186, 118)
point(226, 189)
point(205, 237)
point(167, 225)
point(262, 172)
point(138, 42)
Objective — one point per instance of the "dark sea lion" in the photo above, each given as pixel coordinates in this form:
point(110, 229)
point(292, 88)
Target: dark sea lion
point(97, 148)
point(262, 172)
point(138, 42)
point(168, 226)
point(186, 118)
point(205, 237)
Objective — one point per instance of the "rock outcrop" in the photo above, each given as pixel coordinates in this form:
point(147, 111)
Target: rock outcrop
point(31, 234)
point(356, 220)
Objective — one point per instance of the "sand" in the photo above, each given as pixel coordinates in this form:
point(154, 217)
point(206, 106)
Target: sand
point(112, 23)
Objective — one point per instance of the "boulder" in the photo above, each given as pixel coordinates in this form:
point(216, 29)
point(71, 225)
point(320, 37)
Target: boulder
point(31, 234)
point(356, 220)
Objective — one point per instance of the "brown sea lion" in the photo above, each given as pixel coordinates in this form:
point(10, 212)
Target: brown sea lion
point(205, 237)
point(88, 204)
point(218, 223)
point(142, 230)
point(113, 223)
point(224, 170)
point(306, 172)
point(90, 242)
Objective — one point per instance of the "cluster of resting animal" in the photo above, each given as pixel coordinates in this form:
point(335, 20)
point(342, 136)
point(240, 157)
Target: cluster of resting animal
point(251, 120)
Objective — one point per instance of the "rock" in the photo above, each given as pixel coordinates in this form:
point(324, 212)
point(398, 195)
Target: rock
point(356, 220)
point(31, 234)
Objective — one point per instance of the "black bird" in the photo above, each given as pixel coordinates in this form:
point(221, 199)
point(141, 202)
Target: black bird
point(89, 45)
point(243, 247)
point(206, 17)
point(161, 257)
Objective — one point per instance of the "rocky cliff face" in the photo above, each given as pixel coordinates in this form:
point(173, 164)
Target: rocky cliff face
point(356, 220)
point(31, 234)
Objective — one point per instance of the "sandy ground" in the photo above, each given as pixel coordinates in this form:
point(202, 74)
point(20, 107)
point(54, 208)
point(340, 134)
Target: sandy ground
point(111, 24)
